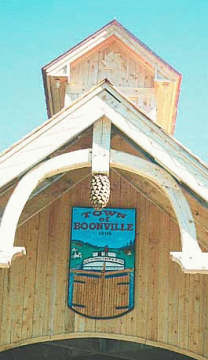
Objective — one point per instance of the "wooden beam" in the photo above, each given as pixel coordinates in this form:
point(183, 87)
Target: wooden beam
point(101, 146)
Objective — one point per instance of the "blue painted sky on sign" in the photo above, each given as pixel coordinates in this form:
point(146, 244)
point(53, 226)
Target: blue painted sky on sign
point(112, 227)
point(35, 32)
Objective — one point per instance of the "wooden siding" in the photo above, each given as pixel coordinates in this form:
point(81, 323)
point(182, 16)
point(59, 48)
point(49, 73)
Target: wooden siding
point(115, 54)
point(170, 307)
point(118, 64)
point(114, 61)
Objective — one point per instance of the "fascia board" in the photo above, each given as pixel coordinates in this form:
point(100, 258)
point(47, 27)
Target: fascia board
point(78, 51)
point(146, 54)
point(53, 138)
point(154, 127)
point(58, 117)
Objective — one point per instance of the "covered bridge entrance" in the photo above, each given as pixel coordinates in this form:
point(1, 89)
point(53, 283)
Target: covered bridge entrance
point(90, 349)
point(104, 203)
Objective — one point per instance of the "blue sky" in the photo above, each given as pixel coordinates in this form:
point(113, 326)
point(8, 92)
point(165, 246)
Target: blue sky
point(35, 32)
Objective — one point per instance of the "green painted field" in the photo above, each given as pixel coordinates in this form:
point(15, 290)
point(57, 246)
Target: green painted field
point(86, 250)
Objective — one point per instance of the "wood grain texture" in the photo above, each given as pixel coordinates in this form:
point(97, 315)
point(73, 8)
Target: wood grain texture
point(101, 146)
point(170, 307)
point(116, 56)
point(117, 63)
point(122, 67)
point(40, 282)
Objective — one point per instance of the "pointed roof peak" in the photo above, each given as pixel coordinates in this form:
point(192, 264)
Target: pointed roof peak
point(114, 22)
point(113, 52)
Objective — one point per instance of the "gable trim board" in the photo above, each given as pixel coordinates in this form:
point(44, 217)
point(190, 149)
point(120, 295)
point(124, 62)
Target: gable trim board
point(105, 101)
point(191, 258)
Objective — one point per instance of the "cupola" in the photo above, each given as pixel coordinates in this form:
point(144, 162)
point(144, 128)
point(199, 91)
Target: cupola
point(115, 54)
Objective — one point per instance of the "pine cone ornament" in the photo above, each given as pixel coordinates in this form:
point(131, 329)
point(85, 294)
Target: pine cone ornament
point(99, 191)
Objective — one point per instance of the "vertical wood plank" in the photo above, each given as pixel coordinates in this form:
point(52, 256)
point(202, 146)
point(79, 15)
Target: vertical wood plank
point(141, 290)
point(69, 316)
point(40, 293)
point(205, 315)
point(183, 311)
point(16, 298)
point(201, 318)
point(129, 199)
point(195, 331)
point(31, 240)
point(163, 261)
point(5, 333)
point(2, 274)
point(173, 287)
point(48, 324)
point(17, 290)
point(153, 243)
point(62, 258)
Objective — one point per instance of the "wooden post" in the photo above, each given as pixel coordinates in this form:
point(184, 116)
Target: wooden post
point(101, 146)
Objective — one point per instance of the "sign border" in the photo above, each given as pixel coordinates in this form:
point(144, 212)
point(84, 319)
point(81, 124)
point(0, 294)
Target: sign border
point(70, 248)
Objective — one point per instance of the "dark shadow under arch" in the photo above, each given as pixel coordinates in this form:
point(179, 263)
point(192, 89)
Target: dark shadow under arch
point(90, 349)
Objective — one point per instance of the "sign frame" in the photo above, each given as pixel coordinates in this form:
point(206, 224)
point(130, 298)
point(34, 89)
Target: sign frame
point(102, 271)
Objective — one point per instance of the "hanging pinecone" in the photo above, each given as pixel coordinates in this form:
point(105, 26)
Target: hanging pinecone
point(99, 191)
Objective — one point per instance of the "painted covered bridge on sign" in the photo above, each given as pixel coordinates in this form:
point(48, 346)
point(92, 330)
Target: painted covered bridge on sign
point(103, 233)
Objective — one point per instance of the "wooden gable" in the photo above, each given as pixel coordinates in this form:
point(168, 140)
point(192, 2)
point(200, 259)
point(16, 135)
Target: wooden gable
point(114, 61)
point(171, 307)
point(113, 53)
point(48, 173)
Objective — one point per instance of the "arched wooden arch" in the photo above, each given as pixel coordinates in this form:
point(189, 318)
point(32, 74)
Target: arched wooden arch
point(191, 258)
point(104, 336)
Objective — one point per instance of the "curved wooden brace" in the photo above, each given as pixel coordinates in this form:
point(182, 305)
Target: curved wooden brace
point(18, 199)
point(191, 258)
